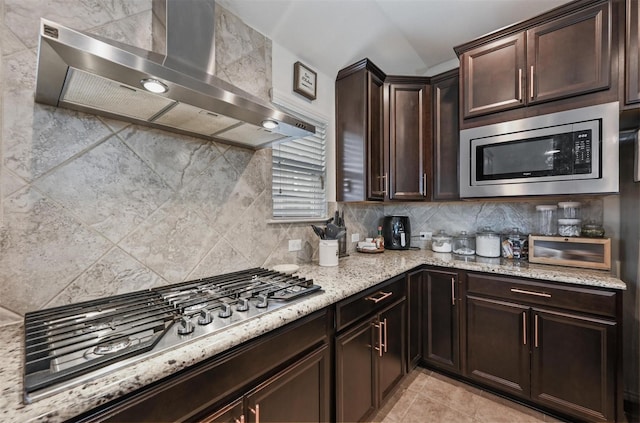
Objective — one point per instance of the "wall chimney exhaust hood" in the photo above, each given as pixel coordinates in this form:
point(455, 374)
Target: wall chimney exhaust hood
point(176, 92)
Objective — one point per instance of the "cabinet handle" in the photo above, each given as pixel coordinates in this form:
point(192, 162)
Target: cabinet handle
point(424, 184)
point(382, 296)
point(524, 327)
point(520, 84)
point(537, 294)
point(453, 291)
point(386, 339)
point(256, 412)
point(535, 325)
point(385, 183)
point(531, 82)
point(380, 344)
point(241, 419)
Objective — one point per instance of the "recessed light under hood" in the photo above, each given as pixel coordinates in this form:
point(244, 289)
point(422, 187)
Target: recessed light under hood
point(89, 73)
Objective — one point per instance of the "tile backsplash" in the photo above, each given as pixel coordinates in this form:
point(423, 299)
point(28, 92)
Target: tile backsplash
point(92, 207)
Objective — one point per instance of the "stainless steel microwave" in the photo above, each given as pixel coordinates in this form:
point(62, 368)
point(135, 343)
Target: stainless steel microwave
point(569, 152)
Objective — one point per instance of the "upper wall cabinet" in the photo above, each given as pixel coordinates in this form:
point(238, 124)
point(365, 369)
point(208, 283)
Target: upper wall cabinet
point(409, 140)
point(383, 135)
point(562, 54)
point(632, 53)
point(360, 154)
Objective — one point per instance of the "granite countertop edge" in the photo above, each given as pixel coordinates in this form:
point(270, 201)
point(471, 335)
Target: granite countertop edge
point(354, 274)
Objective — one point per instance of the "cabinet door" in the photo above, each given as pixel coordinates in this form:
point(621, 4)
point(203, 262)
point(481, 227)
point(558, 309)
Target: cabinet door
point(573, 365)
point(392, 353)
point(378, 173)
point(409, 141)
point(446, 135)
point(414, 303)
point(498, 344)
point(300, 393)
point(493, 76)
point(355, 393)
point(441, 343)
point(569, 56)
point(632, 57)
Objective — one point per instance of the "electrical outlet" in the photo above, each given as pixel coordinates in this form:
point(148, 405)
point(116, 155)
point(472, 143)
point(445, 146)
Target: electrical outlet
point(425, 236)
point(295, 244)
point(355, 237)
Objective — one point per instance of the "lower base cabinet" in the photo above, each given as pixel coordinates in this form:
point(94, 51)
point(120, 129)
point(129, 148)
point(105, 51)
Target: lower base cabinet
point(370, 348)
point(299, 393)
point(552, 345)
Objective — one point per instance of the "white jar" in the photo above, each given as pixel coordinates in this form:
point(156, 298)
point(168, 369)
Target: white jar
point(488, 243)
point(328, 252)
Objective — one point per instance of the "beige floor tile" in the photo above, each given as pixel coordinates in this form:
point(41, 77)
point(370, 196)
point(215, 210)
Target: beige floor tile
point(425, 410)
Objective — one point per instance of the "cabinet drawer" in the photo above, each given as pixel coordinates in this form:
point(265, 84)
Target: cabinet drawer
point(370, 301)
point(577, 298)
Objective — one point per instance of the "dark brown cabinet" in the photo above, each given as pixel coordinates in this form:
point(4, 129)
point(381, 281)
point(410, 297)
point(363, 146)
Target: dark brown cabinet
point(383, 135)
point(441, 319)
point(552, 345)
point(446, 135)
point(563, 54)
point(632, 52)
point(492, 76)
point(370, 354)
point(409, 140)
point(284, 375)
point(361, 159)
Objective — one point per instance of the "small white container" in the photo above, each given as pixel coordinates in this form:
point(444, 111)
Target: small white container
point(328, 252)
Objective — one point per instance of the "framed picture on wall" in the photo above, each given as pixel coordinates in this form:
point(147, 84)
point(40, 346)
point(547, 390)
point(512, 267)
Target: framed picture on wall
point(304, 81)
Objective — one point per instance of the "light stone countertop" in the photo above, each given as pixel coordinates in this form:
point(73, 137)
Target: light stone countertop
point(353, 274)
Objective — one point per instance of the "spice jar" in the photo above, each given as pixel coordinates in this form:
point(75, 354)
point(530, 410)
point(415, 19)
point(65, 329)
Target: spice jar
point(592, 230)
point(488, 243)
point(547, 224)
point(441, 242)
point(464, 244)
point(569, 227)
point(513, 245)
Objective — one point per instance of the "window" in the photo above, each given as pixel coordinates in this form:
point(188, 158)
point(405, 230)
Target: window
point(299, 174)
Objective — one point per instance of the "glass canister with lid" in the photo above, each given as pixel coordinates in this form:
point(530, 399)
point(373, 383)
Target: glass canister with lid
point(514, 245)
point(568, 210)
point(547, 223)
point(487, 243)
point(441, 242)
point(464, 244)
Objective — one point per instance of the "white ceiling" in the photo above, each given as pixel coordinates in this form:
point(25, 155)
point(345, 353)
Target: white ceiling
point(402, 37)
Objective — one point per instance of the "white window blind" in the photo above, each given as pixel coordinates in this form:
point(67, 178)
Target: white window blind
point(299, 174)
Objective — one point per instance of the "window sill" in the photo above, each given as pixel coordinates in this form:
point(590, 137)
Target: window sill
point(298, 220)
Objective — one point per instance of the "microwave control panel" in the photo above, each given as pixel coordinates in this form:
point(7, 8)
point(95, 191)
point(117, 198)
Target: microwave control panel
point(582, 151)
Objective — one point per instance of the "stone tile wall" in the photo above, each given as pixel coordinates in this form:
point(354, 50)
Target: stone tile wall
point(91, 207)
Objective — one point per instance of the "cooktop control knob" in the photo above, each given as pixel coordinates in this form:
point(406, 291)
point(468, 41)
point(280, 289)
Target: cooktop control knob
point(263, 300)
point(185, 327)
point(243, 304)
point(225, 311)
point(205, 317)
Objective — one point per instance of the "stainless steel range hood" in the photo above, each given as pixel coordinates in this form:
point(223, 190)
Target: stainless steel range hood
point(96, 75)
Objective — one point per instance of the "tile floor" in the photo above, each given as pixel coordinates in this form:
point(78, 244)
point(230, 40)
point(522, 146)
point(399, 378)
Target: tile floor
point(426, 396)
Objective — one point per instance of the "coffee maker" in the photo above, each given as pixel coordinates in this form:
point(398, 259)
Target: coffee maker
point(396, 231)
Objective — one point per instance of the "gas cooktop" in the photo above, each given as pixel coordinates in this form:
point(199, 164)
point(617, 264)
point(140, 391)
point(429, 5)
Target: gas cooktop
point(71, 344)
